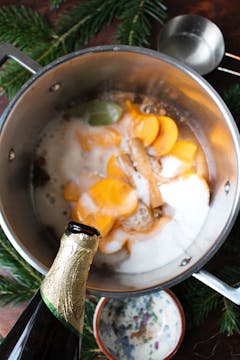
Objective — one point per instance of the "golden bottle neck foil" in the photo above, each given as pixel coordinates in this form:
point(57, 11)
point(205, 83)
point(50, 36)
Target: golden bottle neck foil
point(63, 290)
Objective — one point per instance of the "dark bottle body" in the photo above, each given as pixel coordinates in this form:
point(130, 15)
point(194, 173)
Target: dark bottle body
point(50, 328)
point(39, 335)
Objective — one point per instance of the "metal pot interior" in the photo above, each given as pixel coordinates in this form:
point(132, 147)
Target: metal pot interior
point(86, 74)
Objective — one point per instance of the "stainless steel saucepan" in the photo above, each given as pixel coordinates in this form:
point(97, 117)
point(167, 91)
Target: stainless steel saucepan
point(87, 73)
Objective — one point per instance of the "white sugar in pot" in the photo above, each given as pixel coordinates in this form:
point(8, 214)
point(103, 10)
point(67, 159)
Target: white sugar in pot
point(87, 73)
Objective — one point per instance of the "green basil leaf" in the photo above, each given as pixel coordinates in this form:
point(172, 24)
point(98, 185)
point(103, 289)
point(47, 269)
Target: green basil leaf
point(98, 112)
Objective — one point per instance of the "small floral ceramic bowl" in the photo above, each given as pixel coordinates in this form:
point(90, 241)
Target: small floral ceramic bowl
point(149, 327)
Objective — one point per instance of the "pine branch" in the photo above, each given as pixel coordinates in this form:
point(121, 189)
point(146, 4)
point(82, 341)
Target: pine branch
point(55, 4)
point(11, 261)
point(135, 27)
point(14, 292)
point(14, 76)
point(85, 20)
point(199, 300)
point(23, 27)
point(231, 97)
point(230, 319)
point(74, 29)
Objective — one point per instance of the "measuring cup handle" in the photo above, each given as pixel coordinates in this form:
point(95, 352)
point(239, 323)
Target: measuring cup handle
point(8, 51)
point(232, 72)
point(218, 285)
point(232, 56)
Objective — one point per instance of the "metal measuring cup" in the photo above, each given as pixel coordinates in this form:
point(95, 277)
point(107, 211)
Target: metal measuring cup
point(196, 41)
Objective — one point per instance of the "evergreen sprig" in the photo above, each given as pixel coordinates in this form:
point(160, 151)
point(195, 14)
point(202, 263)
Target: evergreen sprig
point(23, 27)
point(230, 320)
point(199, 301)
point(134, 28)
point(31, 32)
point(14, 292)
point(14, 76)
point(11, 261)
point(78, 25)
point(25, 279)
point(73, 30)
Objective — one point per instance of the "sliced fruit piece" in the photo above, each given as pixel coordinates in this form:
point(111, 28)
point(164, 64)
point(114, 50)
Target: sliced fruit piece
point(113, 242)
point(114, 169)
point(104, 138)
point(114, 197)
point(71, 191)
point(84, 207)
point(86, 211)
point(101, 222)
point(145, 126)
point(184, 150)
point(167, 136)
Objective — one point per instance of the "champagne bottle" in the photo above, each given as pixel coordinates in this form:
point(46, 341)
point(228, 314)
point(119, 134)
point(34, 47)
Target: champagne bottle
point(51, 326)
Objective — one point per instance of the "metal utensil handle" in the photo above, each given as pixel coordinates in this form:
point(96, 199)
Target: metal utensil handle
point(218, 285)
point(232, 56)
point(9, 51)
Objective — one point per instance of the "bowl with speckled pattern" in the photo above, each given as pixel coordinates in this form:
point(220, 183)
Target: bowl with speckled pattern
point(144, 327)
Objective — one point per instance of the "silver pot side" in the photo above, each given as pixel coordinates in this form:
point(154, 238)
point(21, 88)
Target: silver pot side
point(88, 73)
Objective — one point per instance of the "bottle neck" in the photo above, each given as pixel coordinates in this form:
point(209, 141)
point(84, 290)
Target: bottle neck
point(63, 290)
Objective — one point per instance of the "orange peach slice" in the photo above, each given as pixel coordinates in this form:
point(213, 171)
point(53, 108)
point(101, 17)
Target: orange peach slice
point(86, 212)
point(101, 222)
point(84, 207)
point(167, 136)
point(114, 170)
point(145, 126)
point(114, 197)
point(184, 150)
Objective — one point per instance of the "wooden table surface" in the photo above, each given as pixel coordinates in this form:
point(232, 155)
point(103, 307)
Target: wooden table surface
point(205, 341)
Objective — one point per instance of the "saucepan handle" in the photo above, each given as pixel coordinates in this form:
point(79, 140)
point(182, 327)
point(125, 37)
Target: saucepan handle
point(218, 285)
point(8, 51)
